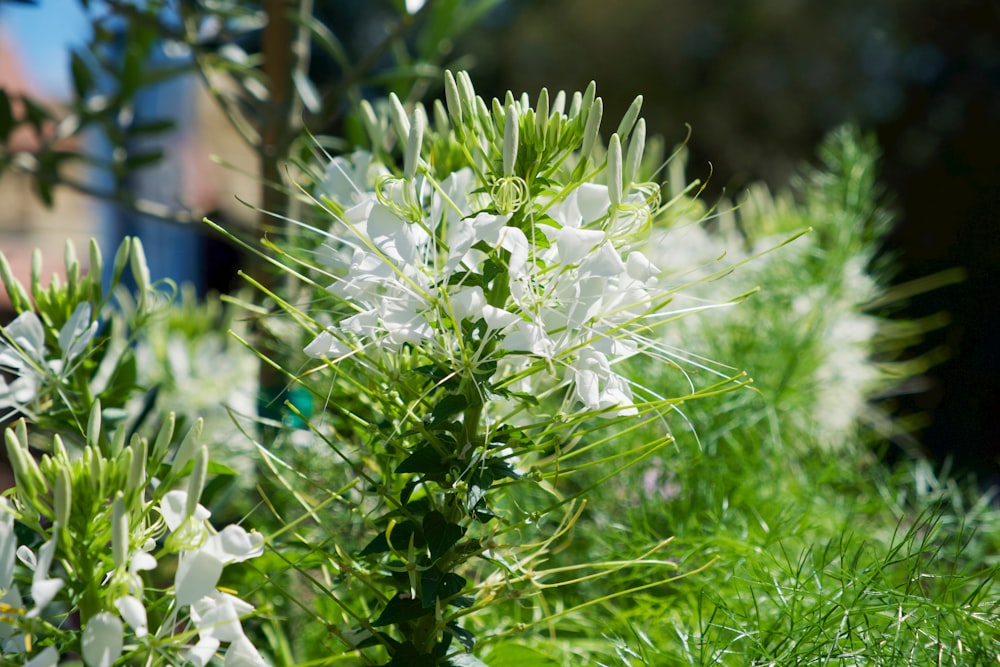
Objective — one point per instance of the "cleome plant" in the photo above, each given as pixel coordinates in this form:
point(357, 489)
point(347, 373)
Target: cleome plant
point(469, 287)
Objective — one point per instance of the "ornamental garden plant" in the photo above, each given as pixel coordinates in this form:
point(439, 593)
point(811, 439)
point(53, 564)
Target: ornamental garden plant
point(500, 388)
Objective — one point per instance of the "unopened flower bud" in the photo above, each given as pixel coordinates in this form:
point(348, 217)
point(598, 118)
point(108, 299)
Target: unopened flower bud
point(636, 145)
point(453, 99)
point(137, 469)
point(94, 425)
point(416, 136)
point(628, 120)
point(542, 115)
point(63, 496)
point(119, 531)
point(186, 450)
point(510, 140)
point(163, 438)
point(196, 483)
point(593, 128)
point(140, 268)
point(400, 123)
point(614, 174)
point(122, 256)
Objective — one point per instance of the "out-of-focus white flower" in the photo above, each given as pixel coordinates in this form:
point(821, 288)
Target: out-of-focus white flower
point(102, 640)
point(47, 657)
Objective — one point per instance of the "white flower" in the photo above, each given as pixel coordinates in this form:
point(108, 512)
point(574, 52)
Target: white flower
point(102, 640)
point(8, 546)
point(47, 657)
point(218, 615)
point(242, 653)
point(43, 587)
point(199, 568)
point(598, 387)
point(134, 613)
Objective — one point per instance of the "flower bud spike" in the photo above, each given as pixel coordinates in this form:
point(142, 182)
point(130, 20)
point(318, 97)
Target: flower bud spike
point(163, 438)
point(137, 469)
point(593, 129)
point(372, 125)
point(94, 425)
point(614, 174)
point(575, 106)
point(587, 102)
point(412, 156)
point(196, 483)
point(499, 115)
point(188, 445)
point(19, 298)
point(59, 452)
point(467, 93)
point(510, 140)
point(441, 124)
point(453, 98)
point(628, 120)
point(36, 269)
point(485, 119)
point(119, 531)
point(140, 268)
point(559, 103)
point(27, 477)
point(634, 158)
point(525, 102)
point(96, 269)
point(398, 115)
point(122, 256)
point(63, 496)
point(542, 115)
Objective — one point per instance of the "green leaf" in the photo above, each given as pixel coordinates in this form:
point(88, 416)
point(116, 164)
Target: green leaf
point(440, 534)
point(448, 406)
point(400, 539)
point(426, 459)
point(437, 585)
point(400, 609)
point(465, 637)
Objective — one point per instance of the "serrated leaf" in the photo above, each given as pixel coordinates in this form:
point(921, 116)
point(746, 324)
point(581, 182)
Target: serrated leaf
point(448, 406)
point(401, 608)
point(400, 537)
point(465, 637)
point(436, 585)
point(426, 459)
point(440, 534)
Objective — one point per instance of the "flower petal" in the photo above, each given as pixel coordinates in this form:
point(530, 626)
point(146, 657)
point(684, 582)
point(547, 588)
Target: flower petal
point(102, 640)
point(197, 574)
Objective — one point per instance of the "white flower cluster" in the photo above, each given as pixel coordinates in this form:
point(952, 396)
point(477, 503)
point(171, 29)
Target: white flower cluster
point(23, 354)
point(496, 273)
point(214, 614)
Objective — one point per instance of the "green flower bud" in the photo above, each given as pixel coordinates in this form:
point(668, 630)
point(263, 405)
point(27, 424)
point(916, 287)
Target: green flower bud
point(588, 100)
point(510, 140)
point(164, 437)
point(400, 123)
point(196, 483)
point(63, 495)
point(614, 175)
point(628, 120)
point(59, 452)
point(94, 425)
point(542, 115)
point(19, 298)
point(122, 256)
point(441, 124)
point(137, 470)
point(119, 531)
point(635, 149)
point(559, 103)
point(592, 130)
point(372, 126)
point(454, 100)
point(187, 448)
point(140, 268)
point(412, 156)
